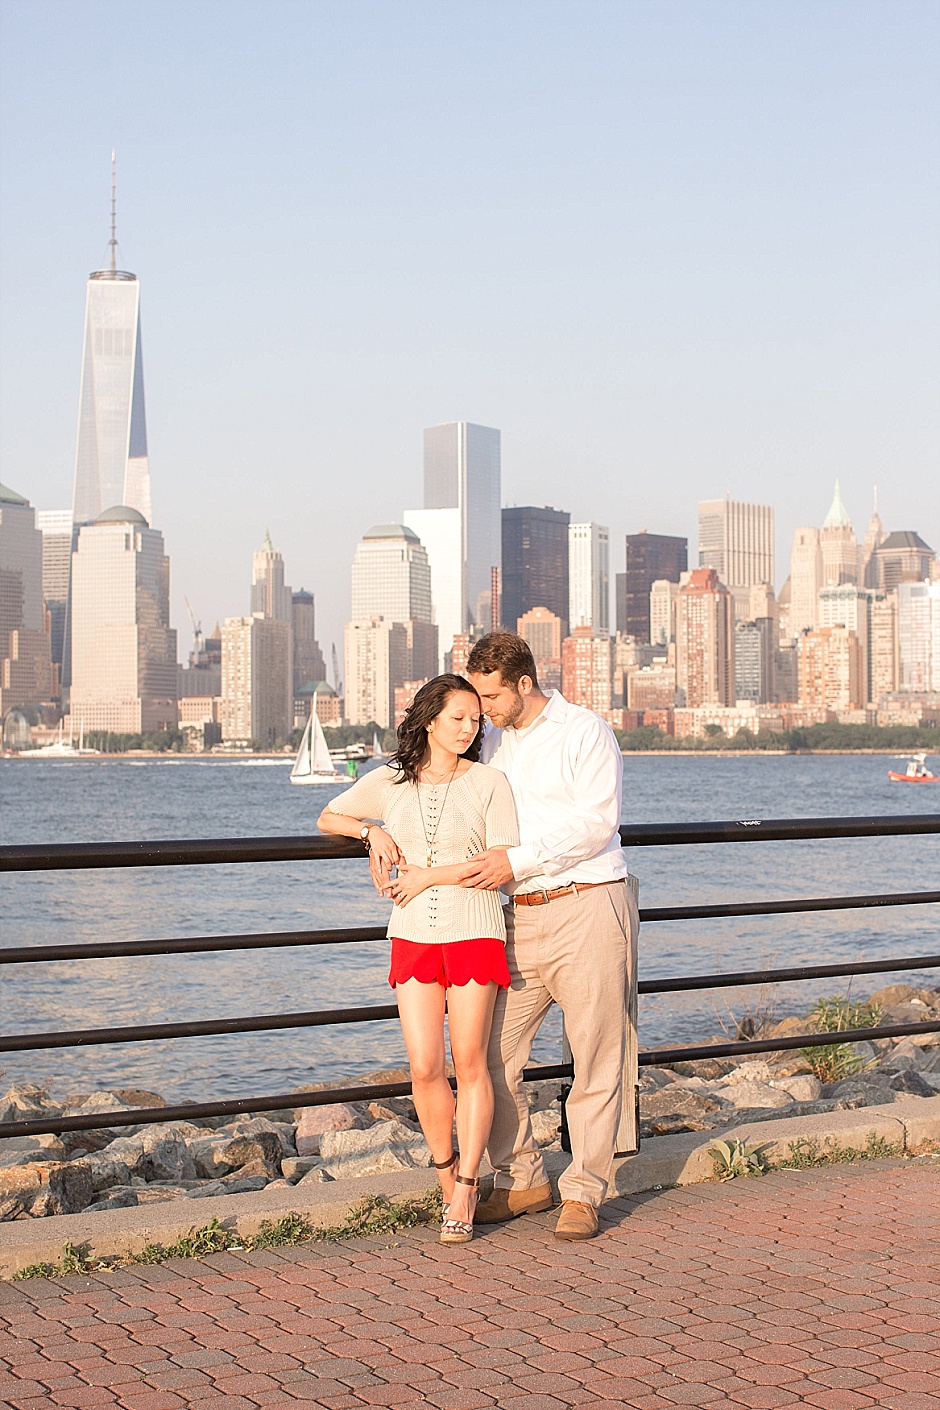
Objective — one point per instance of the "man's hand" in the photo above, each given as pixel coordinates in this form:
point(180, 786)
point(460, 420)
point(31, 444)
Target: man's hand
point(488, 870)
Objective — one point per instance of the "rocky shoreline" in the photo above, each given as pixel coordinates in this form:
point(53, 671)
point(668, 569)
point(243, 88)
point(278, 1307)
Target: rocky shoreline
point(123, 1167)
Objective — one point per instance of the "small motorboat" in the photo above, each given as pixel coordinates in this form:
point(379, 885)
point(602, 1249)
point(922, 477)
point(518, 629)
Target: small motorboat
point(916, 771)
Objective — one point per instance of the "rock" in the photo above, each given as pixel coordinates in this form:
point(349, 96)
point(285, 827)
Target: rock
point(902, 1055)
point(676, 1100)
point(709, 1069)
point(123, 1199)
point(315, 1121)
point(22, 1150)
point(755, 1070)
point(261, 1151)
point(255, 1125)
point(756, 1094)
point(94, 1102)
point(546, 1126)
point(893, 994)
point(25, 1101)
point(389, 1145)
point(652, 1078)
point(165, 1155)
point(105, 1169)
point(401, 1111)
point(138, 1097)
point(853, 1092)
point(317, 1176)
point(13, 1207)
point(790, 1027)
point(912, 1084)
point(206, 1152)
point(235, 1185)
point(802, 1088)
point(67, 1185)
point(295, 1167)
point(673, 1125)
point(159, 1194)
point(128, 1149)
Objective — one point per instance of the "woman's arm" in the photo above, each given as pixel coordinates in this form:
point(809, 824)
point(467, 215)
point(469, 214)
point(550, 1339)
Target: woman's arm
point(413, 880)
point(381, 843)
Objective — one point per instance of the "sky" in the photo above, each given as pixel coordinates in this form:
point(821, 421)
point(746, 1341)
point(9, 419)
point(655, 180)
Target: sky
point(673, 249)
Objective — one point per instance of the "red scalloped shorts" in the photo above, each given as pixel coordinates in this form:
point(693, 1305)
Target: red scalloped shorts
point(455, 963)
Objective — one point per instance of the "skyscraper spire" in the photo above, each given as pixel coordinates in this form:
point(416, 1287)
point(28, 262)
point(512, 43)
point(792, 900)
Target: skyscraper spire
point(113, 241)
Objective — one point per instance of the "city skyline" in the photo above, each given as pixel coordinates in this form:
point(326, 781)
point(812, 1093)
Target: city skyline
point(532, 259)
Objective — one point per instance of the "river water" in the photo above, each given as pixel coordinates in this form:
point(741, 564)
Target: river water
point(63, 801)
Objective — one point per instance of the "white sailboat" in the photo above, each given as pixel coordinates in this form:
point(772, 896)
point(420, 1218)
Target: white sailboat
point(313, 763)
point(377, 751)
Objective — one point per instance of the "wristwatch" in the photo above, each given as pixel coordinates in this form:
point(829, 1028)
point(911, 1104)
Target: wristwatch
point(364, 834)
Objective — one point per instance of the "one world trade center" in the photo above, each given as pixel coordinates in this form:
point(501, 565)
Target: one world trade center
point(111, 465)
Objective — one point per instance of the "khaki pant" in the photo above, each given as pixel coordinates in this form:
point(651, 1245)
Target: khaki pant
point(574, 951)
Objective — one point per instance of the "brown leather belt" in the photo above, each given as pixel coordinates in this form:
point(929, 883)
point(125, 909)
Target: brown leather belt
point(541, 898)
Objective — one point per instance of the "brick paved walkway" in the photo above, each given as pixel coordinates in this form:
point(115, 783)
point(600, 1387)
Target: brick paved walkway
point(813, 1288)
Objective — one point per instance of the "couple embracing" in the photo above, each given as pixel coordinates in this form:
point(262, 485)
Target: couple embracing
point(532, 811)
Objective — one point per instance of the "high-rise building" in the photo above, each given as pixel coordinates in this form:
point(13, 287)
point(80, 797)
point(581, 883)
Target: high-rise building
point(309, 665)
point(55, 525)
point(830, 669)
point(902, 557)
point(838, 544)
point(270, 595)
point(111, 464)
point(541, 629)
point(663, 598)
point(376, 665)
point(124, 676)
point(851, 606)
point(737, 540)
point(25, 660)
point(535, 562)
point(586, 669)
point(705, 640)
point(391, 579)
point(589, 577)
point(874, 538)
point(459, 525)
point(650, 558)
point(256, 707)
point(806, 578)
point(754, 660)
point(919, 635)
point(883, 663)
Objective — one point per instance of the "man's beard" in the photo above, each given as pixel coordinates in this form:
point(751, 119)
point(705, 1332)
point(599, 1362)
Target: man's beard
point(514, 713)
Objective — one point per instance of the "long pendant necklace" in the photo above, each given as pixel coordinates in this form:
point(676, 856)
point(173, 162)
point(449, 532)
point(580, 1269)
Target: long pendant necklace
point(430, 840)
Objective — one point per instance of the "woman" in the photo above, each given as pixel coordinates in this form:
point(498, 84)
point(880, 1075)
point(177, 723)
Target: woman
point(439, 807)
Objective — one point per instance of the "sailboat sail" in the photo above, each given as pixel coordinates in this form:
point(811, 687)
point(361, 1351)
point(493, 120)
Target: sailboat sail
point(377, 751)
point(313, 763)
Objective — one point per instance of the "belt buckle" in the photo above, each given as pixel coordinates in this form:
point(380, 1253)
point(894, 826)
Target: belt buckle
point(543, 892)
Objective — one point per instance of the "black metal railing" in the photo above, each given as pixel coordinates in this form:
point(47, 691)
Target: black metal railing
point(106, 855)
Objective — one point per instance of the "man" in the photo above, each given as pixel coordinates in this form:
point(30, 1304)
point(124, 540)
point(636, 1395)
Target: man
point(570, 925)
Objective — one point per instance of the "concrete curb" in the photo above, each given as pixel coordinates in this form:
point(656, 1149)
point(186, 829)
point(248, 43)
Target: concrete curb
point(663, 1161)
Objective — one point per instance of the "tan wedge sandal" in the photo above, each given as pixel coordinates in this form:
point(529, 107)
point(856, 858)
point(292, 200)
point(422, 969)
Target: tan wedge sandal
point(458, 1231)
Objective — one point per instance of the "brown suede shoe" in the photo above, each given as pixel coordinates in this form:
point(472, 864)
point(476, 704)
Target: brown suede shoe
point(576, 1220)
point(502, 1205)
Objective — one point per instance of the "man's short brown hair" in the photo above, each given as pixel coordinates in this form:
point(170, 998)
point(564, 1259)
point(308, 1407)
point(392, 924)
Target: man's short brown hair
point(504, 652)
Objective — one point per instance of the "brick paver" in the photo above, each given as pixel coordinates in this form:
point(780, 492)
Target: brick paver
point(817, 1288)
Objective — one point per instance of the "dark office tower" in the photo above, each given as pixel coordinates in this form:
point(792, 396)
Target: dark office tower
point(620, 601)
point(309, 665)
point(649, 557)
point(535, 563)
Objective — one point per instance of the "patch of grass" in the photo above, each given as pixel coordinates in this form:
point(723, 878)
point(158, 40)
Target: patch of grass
point(831, 1062)
point(808, 1153)
point(373, 1216)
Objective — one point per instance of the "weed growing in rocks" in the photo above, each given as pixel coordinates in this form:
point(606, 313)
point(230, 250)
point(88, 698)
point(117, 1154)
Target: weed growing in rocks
point(736, 1158)
point(832, 1061)
point(808, 1153)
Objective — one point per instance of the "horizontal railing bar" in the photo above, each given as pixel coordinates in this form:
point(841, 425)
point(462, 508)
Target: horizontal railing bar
point(236, 1106)
point(651, 914)
point(354, 935)
point(318, 1018)
point(666, 1056)
point(191, 945)
point(152, 1032)
point(219, 851)
point(783, 976)
point(327, 1096)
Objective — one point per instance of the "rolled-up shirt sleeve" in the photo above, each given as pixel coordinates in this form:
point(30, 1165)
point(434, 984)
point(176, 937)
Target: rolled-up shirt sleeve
point(591, 817)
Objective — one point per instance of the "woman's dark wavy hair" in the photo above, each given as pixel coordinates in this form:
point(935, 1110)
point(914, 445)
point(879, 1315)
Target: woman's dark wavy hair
point(412, 732)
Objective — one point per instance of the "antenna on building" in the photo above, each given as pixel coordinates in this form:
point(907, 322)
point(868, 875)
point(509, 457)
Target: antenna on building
point(113, 241)
point(875, 507)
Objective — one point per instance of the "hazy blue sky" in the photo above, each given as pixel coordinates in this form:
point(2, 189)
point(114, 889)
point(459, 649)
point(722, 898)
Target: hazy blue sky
point(672, 250)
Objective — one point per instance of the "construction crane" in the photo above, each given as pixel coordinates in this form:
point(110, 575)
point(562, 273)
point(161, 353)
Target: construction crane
point(199, 641)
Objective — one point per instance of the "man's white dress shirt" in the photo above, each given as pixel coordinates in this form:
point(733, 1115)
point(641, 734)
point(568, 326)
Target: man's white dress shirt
point(566, 774)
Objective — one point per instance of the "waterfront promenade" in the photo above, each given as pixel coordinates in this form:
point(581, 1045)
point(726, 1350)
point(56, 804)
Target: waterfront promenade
point(817, 1287)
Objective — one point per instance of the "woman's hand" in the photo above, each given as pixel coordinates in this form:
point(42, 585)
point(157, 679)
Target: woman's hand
point(410, 882)
point(383, 856)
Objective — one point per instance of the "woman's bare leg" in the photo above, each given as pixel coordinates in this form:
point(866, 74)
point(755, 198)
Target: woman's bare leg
point(470, 1016)
point(421, 1007)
